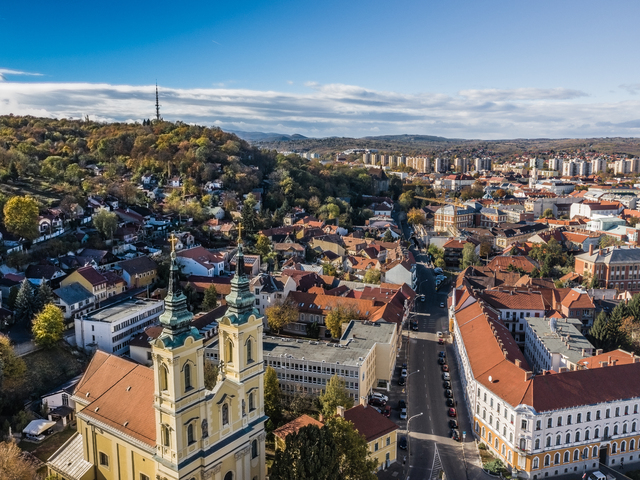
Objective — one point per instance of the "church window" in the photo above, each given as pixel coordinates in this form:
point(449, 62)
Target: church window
point(225, 414)
point(166, 438)
point(228, 476)
point(254, 449)
point(249, 351)
point(164, 378)
point(252, 402)
point(190, 436)
point(229, 351)
point(187, 377)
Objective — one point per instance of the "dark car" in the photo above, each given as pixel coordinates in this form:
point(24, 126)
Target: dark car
point(446, 384)
point(402, 404)
point(442, 361)
point(376, 402)
point(414, 326)
point(404, 365)
point(386, 411)
point(450, 402)
point(401, 381)
point(453, 424)
point(452, 412)
point(445, 368)
point(442, 354)
point(448, 393)
point(455, 434)
point(403, 443)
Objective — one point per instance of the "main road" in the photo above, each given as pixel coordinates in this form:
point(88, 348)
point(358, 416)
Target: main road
point(430, 432)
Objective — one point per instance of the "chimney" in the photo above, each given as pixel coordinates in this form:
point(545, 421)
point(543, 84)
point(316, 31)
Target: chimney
point(321, 418)
point(518, 362)
point(527, 375)
point(599, 351)
point(603, 364)
point(363, 401)
point(340, 411)
point(609, 359)
point(583, 353)
point(591, 249)
point(615, 362)
point(505, 353)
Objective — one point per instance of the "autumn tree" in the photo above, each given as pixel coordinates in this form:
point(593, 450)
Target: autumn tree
point(336, 317)
point(548, 213)
point(48, 326)
point(210, 300)
point(210, 375)
point(11, 366)
point(485, 249)
point(263, 246)
point(469, 256)
point(272, 394)
point(372, 276)
point(106, 223)
point(21, 217)
point(416, 217)
point(406, 199)
point(500, 193)
point(281, 314)
point(354, 456)
point(609, 241)
point(14, 465)
point(335, 395)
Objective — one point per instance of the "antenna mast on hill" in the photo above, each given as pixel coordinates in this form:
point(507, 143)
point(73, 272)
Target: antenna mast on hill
point(158, 118)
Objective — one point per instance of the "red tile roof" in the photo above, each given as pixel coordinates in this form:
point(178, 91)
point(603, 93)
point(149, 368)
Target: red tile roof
point(295, 425)
point(369, 422)
point(92, 276)
point(514, 300)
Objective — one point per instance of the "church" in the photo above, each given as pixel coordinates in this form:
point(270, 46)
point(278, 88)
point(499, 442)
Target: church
point(161, 423)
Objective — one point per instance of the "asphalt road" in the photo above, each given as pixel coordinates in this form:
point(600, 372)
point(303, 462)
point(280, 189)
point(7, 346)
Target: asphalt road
point(426, 393)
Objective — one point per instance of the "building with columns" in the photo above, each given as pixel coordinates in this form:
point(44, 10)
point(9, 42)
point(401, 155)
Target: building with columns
point(161, 422)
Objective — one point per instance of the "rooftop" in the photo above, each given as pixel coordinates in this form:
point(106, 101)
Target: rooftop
point(73, 293)
point(369, 423)
point(294, 425)
point(621, 255)
point(121, 310)
point(563, 336)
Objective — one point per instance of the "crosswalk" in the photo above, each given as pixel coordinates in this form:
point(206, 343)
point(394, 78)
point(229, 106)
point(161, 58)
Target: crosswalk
point(436, 467)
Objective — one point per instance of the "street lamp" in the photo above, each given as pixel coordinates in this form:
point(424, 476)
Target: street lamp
point(420, 286)
point(409, 439)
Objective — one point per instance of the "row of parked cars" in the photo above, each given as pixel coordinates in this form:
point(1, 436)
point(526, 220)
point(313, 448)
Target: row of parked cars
point(448, 393)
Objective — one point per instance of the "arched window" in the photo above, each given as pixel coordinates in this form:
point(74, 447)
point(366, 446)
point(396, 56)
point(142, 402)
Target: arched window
point(252, 402)
point(166, 436)
point(596, 434)
point(558, 439)
point(614, 448)
point(483, 432)
point(606, 432)
point(548, 444)
point(187, 376)
point(623, 446)
point(496, 444)
point(249, 351)
point(615, 429)
point(229, 352)
point(164, 378)
point(594, 453)
point(632, 444)
point(633, 427)
point(504, 450)
point(489, 437)
point(478, 409)
point(624, 428)
point(586, 434)
point(585, 453)
point(547, 460)
point(567, 438)
point(577, 436)
point(535, 463)
point(537, 444)
point(225, 414)
point(484, 414)
point(556, 459)
point(190, 436)
point(576, 455)
point(566, 456)
point(254, 449)
point(228, 476)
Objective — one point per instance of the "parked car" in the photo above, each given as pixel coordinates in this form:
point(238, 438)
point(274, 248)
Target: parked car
point(442, 353)
point(446, 384)
point(403, 443)
point(423, 298)
point(403, 414)
point(446, 376)
point(402, 382)
point(453, 424)
point(448, 393)
point(452, 412)
point(441, 341)
point(455, 434)
point(386, 411)
point(414, 326)
point(450, 402)
point(402, 404)
point(445, 368)
point(442, 305)
point(439, 334)
point(403, 373)
point(381, 396)
point(376, 402)
point(442, 361)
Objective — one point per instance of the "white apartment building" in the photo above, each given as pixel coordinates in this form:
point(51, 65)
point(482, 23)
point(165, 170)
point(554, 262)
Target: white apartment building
point(598, 165)
point(441, 165)
point(421, 164)
point(111, 328)
point(555, 164)
point(574, 167)
point(590, 210)
point(536, 163)
point(365, 358)
point(482, 164)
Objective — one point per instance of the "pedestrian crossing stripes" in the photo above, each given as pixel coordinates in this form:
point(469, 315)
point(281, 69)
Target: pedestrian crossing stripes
point(436, 467)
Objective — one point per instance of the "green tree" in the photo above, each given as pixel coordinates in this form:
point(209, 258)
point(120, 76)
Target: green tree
point(440, 263)
point(372, 276)
point(406, 200)
point(309, 454)
point(210, 375)
point(249, 217)
point(469, 256)
point(598, 331)
point(272, 395)
point(548, 213)
point(21, 217)
point(106, 223)
point(353, 451)
point(13, 294)
point(11, 366)
point(335, 395)
point(387, 237)
point(281, 314)
point(329, 269)
point(609, 241)
point(263, 246)
point(43, 296)
point(25, 307)
point(192, 296)
point(416, 217)
point(48, 326)
point(210, 300)
point(336, 317)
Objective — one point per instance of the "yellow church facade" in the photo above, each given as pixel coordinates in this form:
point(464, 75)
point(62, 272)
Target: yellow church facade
point(161, 423)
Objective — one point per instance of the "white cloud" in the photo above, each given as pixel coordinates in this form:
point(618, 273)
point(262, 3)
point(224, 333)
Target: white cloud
point(631, 88)
point(336, 109)
point(5, 71)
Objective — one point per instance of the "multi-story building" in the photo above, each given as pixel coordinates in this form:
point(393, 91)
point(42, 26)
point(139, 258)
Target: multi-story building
point(555, 164)
point(101, 285)
point(547, 424)
point(588, 209)
point(461, 165)
point(144, 423)
point(451, 216)
point(536, 163)
point(482, 164)
point(74, 300)
point(491, 217)
point(111, 328)
point(269, 290)
point(365, 358)
point(613, 267)
point(574, 168)
point(139, 272)
point(441, 165)
point(200, 261)
point(514, 307)
point(598, 165)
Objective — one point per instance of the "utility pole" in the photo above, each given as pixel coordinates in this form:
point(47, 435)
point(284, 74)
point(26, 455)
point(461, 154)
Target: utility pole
point(158, 118)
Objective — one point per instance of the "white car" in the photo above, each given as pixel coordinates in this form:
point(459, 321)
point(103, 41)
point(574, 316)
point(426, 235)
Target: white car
point(403, 414)
point(380, 396)
point(446, 376)
point(439, 334)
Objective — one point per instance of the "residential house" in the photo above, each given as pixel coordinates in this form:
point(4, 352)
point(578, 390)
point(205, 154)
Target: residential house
point(576, 303)
point(288, 250)
point(74, 301)
point(453, 252)
point(269, 290)
point(101, 285)
point(58, 404)
point(200, 261)
point(513, 307)
point(401, 270)
point(251, 264)
point(36, 273)
point(139, 272)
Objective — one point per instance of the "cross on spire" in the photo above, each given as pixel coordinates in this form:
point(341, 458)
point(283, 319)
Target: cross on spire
point(173, 240)
point(239, 232)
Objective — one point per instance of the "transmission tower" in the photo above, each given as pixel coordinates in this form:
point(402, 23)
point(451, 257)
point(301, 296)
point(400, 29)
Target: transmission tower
point(158, 117)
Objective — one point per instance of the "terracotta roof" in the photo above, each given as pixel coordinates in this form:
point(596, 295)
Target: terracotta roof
point(322, 304)
point(615, 357)
point(453, 243)
point(201, 283)
point(369, 422)
point(502, 262)
point(295, 425)
point(576, 299)
point(514, 300)
point(91, 275)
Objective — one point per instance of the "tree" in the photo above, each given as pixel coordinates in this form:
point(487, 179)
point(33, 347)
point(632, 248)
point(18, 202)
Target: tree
point(106, 223)
point(272, 400)
point(469, 256)
point(309, 454)
point(387, 237)
point(13, 294)
point(440, 263)
point(21, 217)
point(416, 217)
point(263, 246)
point(633, 221)
point(548, 213)
point(372, 276)
point(406, 199)
point(14, 465)
point(335, 395)
point(210, 375)
point(485, 249)
point(192, 295)
point(48, 326)
point(210, 300)
point(336, 317)
point(609, 241)
point(500, 193)
point(43, 296)
point(11, 366)
point(249, 217)
point(353, 451)
point(329, 269)
point(281, 314)
point(25, 306)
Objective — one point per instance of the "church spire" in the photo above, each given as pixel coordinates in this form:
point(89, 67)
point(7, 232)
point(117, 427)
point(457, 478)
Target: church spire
point(240, 300)
point(176, 316)
point(240, 255)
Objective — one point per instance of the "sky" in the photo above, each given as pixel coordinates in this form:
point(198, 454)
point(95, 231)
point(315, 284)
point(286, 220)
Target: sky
point(459, 69)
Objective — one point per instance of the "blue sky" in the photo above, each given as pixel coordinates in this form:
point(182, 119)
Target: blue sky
point(459, 69)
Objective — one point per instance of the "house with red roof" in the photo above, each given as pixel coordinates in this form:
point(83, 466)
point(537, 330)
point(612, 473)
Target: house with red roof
point(200, 261)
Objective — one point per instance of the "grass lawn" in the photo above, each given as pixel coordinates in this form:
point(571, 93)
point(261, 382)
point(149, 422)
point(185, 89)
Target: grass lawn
point(485, 456)
point(45, 449)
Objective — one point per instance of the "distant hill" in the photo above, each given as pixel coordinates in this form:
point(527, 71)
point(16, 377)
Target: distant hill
point(266, 137)
point(412, 138)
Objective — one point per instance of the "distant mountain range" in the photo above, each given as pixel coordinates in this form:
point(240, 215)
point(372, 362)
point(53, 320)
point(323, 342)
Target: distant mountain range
point(412, 138)
point(266, 137)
